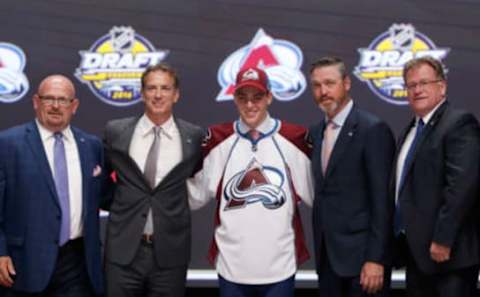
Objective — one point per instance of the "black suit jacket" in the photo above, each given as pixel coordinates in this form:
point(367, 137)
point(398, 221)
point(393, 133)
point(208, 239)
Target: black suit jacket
point(439, 195)
point(352, 210)
point(132, 198)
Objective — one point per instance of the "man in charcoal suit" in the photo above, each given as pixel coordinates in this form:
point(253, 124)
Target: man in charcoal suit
point(148, 231)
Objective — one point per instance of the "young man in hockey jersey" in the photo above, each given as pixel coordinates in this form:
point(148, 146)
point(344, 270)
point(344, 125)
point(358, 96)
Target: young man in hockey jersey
point(258, 169)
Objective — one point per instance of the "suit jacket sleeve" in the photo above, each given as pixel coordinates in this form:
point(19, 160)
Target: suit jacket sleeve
point(460, 190)
point(108, 174)
point(299, 164)
point(199, 186)
point(380, 150)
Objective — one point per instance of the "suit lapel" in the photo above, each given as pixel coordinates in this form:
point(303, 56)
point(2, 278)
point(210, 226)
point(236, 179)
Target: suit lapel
point(425, 133)
point(318, 149)
point(185, 137)
point(38, 150)
point(84, 157)
point(401, 140)
point(122, 145)
point(343, 140)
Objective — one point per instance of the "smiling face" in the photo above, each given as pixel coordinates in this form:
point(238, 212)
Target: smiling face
point(330, 89)
point(252, 104)
point(159, 95)
point(424, 89)
point(55, 103)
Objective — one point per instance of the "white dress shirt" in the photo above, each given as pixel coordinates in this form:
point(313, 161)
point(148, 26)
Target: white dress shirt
point(74, 174)
point(170, 146)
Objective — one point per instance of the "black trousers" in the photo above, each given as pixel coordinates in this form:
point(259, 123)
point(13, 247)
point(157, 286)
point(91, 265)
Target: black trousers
point(143, 278)
point(459, 282)
point(70, 278)
point(333, 285)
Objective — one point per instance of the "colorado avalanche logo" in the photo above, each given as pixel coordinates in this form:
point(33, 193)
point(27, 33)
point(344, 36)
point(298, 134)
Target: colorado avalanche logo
point(13, 82)
point(280, 59)
point(255, 184)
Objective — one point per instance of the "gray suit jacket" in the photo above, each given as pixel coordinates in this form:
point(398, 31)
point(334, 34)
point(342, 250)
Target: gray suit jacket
point(130, 198)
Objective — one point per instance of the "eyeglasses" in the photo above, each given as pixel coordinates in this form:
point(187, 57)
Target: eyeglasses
point(50, 100)
point(421, 84)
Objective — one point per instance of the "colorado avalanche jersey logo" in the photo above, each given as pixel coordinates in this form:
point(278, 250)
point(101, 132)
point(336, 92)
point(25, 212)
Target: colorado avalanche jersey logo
point(256, 183)
point(281, 60)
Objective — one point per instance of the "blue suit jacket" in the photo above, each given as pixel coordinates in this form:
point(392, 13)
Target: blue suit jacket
point(352, 210)
point(30, 213)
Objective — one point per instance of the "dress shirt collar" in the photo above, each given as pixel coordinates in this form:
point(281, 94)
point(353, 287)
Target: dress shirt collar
point(146, 126)
point(46, 134)
point(341, 117)
point(429, 115)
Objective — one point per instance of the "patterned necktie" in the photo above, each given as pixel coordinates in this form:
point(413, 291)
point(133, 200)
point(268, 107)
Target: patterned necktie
point(398, 224)
point(328, 143)
point(150, 172)
point(61, 185)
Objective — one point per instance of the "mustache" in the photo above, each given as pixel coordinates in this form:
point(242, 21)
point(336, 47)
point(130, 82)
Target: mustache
point(322, 98)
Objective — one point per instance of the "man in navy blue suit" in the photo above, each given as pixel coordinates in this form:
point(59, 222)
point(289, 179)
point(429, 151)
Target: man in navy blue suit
point(352, 210)
point(436, 186)
point(50, 184)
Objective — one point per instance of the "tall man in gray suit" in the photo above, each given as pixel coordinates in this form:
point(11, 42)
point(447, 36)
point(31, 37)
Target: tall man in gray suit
point(148, 231)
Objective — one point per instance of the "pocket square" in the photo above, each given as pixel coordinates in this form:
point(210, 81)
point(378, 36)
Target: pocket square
point(97, 170)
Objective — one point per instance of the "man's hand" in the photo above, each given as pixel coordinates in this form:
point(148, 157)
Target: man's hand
point(6, 271)
point(439, 253)
point(371, 277)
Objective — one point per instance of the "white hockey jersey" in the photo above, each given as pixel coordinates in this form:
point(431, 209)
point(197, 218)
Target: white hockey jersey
point(258, 232)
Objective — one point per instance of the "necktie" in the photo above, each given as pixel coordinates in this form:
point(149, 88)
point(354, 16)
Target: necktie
point(150, 172)
point(61, 185)
point(398, 224)
point(328, 143)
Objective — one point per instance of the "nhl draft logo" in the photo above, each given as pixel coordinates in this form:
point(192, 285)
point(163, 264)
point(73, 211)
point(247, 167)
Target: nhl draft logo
point(381, 64)
point(13, 82)
point(281, 60)
point(113, 66)
point(255, 184)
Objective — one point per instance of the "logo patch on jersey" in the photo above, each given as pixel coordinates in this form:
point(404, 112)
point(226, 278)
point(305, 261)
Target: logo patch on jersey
point(256, 183)
point(113, 66)
point(381, 64)
point(281, 60)
point(13, 82)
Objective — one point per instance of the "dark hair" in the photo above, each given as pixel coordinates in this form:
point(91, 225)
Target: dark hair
point(164, 67)
point(329, 61)
point(435, 64)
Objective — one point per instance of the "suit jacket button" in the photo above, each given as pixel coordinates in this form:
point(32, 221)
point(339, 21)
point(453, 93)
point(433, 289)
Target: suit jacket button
point(56, 241)
point(144, 215)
